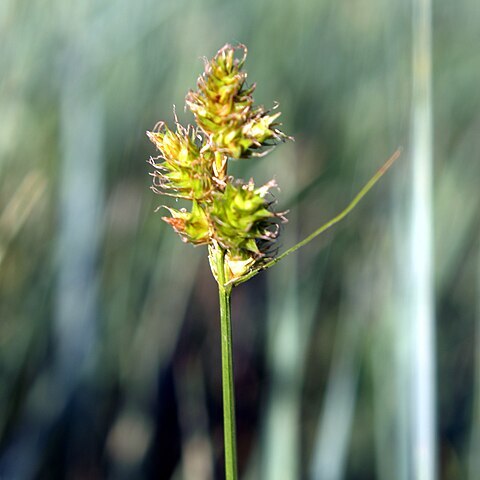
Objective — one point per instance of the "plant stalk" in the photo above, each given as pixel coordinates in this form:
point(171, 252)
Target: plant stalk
point(229, 429)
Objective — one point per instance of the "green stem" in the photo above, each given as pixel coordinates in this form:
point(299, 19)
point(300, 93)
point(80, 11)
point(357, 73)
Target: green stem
point(229, 430)
point(367, 187)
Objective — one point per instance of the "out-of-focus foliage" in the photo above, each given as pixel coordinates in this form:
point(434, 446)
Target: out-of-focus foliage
point(106, 370)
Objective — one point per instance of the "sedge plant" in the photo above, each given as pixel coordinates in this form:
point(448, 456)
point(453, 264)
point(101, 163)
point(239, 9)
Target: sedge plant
point(235, 219)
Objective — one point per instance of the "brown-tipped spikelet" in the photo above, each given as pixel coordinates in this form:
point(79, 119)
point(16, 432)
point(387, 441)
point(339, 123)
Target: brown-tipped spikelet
point(226, 214)
point(185, 172)
point(192, 226)
point(224, 110)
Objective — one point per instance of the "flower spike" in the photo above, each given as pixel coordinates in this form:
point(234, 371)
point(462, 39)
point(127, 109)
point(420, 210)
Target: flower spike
point(226, 213)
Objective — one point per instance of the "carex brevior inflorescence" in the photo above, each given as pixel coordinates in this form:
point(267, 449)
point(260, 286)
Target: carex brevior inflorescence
point(225, 213)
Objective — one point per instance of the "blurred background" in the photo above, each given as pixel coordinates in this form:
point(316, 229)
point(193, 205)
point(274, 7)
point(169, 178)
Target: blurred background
point(357, 358)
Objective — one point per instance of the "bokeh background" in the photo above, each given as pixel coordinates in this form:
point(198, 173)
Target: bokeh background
point(109, 330)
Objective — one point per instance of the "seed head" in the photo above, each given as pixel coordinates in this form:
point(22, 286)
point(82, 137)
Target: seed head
point(223, 107)
point(192, 226)
point(226, 214)
point(186, 172)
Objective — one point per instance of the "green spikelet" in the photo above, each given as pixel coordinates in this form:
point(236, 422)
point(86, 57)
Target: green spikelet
point(226, 214)
point(223, 107)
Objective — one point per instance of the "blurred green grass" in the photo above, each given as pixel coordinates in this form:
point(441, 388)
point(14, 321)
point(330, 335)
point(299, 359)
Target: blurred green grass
point(121, 379)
